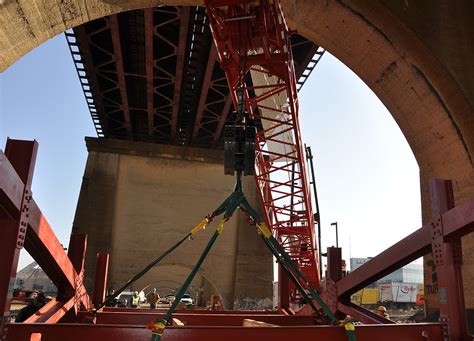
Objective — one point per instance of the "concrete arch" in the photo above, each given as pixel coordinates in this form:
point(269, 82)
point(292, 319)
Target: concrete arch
point(424, 99)
point(430, 103)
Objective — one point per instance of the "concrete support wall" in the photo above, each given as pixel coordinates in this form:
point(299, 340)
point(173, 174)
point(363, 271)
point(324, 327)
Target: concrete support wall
point(137, 199)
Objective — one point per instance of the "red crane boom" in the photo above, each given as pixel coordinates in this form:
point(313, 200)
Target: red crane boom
point(252, 37)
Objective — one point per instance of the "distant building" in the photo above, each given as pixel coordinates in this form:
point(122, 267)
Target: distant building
point(32, 277)
point(411, 273)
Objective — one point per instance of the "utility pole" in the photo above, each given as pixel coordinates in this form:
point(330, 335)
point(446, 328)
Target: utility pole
point(337, 237)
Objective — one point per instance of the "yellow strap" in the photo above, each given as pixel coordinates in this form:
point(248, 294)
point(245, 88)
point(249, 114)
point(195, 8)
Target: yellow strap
point(349, 326)
point(264, 229)
point(200, 226)
point(220, 227)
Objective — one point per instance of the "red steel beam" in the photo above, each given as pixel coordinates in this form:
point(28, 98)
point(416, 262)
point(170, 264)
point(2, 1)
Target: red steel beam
point(283, 288)
point(148, 17)
point(80, 332)
point(77, 250)
point(457, 222)
point(202, 312)
point(52, 312)
point(76, 253)
point(448, 260)
point(211, 62)
point(40, 242)
point(100, 281)
point(115, 31)
point(144, 316)
point(405, 251)
point(19, 160)
point(43, 245)
point(11, 186)
point(178, 78)
point(361, 314)
point(462, 215)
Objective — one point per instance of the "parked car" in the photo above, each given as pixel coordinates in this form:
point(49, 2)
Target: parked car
point(187, 299)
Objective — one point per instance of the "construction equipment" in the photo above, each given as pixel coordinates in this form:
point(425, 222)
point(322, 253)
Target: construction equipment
point(252, 39)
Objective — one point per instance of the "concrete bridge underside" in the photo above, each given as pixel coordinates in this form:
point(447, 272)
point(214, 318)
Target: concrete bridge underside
point(415, 56)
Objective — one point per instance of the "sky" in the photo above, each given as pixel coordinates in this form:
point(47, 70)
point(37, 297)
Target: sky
point(367, 177)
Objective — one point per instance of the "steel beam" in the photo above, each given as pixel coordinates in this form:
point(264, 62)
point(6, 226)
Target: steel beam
point(40, 240)
point(19, 160)
point(461, 216)
point(52, 312)
point(144, 316)
point(80, 332)
point(100, 281)
point(334, 266)
point(405, 251)
point(206, 84)
point(180, 54)
point(115, 31)
point(149, 66)
point(222, 119)
point(307, 59)
point(84, 46)
point(448, 260)
point(283, 288)
point(361, 314)
point(457, 222)
point(202, 312)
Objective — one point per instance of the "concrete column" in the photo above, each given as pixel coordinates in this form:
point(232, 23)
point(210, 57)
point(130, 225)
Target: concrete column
point(137, 199)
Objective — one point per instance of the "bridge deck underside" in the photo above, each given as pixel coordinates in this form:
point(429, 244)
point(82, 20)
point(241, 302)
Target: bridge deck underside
point(152, 75)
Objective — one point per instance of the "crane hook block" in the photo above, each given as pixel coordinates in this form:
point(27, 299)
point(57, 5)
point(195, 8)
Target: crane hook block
point(239, 147)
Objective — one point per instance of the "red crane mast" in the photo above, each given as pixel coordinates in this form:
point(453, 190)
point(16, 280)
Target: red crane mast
point(252, 37)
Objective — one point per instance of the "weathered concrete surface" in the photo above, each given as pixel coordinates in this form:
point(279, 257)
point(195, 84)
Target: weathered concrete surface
point(138, 199)
point(415, 55)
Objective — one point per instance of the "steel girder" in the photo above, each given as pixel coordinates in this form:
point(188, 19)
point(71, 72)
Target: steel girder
point(79, 332)
point(150, 75)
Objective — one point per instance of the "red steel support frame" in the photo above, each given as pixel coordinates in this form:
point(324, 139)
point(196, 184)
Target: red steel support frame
point(441, 236)
point(21, 214)
point(81, 332)
point(253, 34)
point(66, 272)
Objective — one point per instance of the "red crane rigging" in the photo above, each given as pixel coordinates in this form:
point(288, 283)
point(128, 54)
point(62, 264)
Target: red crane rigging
point(252, 38)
